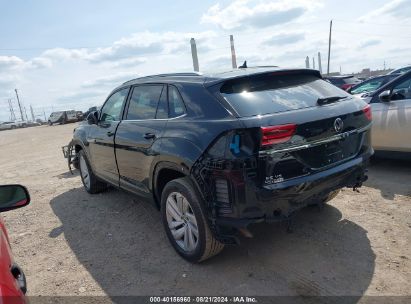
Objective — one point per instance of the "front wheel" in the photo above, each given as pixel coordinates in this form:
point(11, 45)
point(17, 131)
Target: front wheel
point(185, 222)
point(90, 181)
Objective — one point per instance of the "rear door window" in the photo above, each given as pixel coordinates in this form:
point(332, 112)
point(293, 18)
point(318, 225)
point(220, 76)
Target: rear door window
point(175, 103)
point(143, 102)
point(265, 94)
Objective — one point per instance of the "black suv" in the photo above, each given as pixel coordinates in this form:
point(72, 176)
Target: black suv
point(218, 152)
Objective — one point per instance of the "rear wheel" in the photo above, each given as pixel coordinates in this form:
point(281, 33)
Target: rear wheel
point(90, 181)
point(50, 123)
point(185, 223)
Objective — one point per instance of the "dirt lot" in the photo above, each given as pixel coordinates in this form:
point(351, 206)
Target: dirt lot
point(72, 243)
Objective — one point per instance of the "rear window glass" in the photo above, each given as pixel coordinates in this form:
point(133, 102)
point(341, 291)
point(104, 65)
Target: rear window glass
point(259, 95)
point(351, 80)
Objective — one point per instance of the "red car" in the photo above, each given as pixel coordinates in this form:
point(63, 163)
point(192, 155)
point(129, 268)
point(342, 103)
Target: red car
point(12, 280)
point(343, 82)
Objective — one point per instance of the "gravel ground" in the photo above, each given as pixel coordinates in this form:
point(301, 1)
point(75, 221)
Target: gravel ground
point(73, 243)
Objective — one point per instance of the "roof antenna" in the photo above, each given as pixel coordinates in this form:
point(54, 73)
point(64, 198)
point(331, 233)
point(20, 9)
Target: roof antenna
point(244, 66)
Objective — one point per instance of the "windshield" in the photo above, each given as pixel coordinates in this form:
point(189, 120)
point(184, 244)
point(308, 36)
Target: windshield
point(259, 95)
point(54, 114)
point(370, 85)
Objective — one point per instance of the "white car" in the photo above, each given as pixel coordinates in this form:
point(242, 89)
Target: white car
point(9, 125)
point(391, 115)
point(401, 70)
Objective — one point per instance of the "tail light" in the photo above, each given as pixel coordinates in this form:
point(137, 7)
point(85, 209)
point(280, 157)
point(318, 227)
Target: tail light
point(277, 134)
point(367, 112)
point(346, 86)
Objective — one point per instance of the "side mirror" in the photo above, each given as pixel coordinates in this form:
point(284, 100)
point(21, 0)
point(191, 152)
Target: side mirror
point(13, 197)
point(385, 96)
point(92, 118)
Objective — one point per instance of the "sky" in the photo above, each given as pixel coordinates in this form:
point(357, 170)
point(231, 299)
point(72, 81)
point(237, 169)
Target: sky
point(63, 55)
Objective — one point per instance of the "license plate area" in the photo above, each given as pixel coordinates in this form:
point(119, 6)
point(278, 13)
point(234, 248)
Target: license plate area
point(329, 153)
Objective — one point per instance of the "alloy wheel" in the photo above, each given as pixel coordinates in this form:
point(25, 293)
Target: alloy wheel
point(182, 221)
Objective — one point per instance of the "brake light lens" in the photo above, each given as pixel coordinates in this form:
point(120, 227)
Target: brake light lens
point(346, 86)
point(367, 112)
point(277, 134)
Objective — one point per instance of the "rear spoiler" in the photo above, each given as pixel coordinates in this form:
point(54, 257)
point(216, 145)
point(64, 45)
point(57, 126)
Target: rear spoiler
point(251, 73)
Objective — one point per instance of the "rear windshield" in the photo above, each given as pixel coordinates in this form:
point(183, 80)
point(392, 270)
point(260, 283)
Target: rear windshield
point(265, 94)
point(351, 80)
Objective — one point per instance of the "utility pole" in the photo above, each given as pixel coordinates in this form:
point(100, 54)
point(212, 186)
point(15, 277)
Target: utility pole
point(44, 113)
point(329, 48)
point(12, 115)
point(307, 62)
point(319, 63)
point(313, 63)
point(32, 113)
point(233, 57)
point(25, 112)
point(18, 101)
point(194, 55)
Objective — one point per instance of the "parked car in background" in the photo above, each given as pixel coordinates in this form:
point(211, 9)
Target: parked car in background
point(12, 279)
point(401, 70)
point(62, 117)
point(367, 87)
point(343, 82)
point(92, 109)
point(9, 125)
point(219, 152)
point(391, 110)
point(80, 115)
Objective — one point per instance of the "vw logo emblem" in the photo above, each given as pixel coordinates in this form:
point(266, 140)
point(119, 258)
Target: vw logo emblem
point(338, 125)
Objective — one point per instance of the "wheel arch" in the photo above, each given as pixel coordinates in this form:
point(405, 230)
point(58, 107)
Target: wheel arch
point(165, 172)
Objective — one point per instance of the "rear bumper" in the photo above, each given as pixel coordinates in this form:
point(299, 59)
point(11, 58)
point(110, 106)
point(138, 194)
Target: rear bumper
point(278, 201)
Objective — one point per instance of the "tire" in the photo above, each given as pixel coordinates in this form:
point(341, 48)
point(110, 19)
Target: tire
point(203, 245)
point(13, 127)
point(89, 180)
point(50, 123)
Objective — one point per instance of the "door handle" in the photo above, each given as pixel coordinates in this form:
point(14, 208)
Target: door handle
point(109, 133)
point(149, 136)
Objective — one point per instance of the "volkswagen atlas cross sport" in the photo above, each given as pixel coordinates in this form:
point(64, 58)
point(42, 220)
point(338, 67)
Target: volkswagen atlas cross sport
point(218, 152)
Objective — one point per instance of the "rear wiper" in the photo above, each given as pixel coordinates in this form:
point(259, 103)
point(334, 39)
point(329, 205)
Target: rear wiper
point(331, 99)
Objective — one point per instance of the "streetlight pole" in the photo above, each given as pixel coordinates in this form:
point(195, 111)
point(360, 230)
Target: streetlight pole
point(329, 48)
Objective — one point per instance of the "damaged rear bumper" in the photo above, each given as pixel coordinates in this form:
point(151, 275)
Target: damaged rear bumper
point(278, 201)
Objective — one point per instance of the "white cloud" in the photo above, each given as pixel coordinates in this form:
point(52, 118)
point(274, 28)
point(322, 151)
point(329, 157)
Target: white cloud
point(10, 62)
point(65, 54)
point(109, 81)
point(136, 46)
point(251, 14)
point(39, 63)
point(368, 43)
point(284, 38)
point(395, 8)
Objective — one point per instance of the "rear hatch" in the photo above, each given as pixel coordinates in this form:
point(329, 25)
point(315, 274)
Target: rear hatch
point(301, 122)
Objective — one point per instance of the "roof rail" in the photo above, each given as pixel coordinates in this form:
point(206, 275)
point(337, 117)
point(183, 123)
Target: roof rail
point(185, 74)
